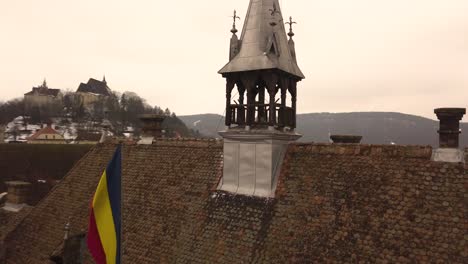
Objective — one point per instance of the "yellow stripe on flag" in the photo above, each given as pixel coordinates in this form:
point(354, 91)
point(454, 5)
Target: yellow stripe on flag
point(104, 220)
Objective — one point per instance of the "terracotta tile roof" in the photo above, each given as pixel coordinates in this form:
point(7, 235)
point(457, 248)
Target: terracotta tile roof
point(9, 220)
point(333, 204)
point(46, 130)
point(34, 162)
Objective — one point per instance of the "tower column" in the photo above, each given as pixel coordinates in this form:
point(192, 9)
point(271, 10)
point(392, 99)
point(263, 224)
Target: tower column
point(241, 109)
point(271, 81)
point(249, 84)
point(283, 111)
point(293, 91)
point(261, 102)
point(272, 119)
point(229, 86)
point(250, 105)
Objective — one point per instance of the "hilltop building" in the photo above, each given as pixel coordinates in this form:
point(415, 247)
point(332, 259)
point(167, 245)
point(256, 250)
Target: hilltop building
point(258, 196)
point(93, 91)
point(46, 135)
point(42, 96)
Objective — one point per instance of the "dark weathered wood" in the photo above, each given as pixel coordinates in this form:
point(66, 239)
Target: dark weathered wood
point(241, 110)
point(255, 112)
point(229, 86)
point(286, 112)
point(293, 92)
point(248, 80)
point(271, 81)
point(261, 100)
point(284, 89)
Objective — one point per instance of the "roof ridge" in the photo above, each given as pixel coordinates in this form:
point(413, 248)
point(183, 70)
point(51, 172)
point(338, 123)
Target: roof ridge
point(395, 151)
point(45, 130)
point(188, 139)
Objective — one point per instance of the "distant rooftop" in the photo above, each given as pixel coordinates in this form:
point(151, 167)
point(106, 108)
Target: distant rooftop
point(95, 87)
point(43, 90)
point(46, 130)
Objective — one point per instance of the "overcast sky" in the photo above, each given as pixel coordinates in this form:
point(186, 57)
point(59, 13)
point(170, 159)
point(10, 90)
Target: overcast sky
point(406, 56)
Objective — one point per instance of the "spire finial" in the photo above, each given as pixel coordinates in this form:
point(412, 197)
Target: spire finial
point(234, 17)
point(44, 83)
point(104, 79)
point(290, 23)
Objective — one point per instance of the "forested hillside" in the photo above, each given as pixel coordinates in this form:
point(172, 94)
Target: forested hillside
point(375, 127)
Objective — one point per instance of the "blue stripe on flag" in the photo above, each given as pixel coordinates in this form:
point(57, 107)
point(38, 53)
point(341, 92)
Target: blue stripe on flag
point(114, 173)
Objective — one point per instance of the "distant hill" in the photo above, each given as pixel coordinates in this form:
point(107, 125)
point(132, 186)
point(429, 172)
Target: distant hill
point(207, 125)
point(375, 127)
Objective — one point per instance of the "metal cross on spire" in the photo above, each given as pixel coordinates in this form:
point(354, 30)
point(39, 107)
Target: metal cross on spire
point(234, 17)
point(290, 23)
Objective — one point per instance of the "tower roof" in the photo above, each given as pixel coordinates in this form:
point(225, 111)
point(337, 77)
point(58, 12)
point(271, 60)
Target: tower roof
point(262, 45)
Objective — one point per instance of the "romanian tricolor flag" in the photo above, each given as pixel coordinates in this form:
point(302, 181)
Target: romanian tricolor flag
point(104, 228)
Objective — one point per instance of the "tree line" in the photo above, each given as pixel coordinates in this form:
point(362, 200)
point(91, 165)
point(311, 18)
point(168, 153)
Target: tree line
point(121, 110)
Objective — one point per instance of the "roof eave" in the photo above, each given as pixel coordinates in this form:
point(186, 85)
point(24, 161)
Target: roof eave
point(226, 71)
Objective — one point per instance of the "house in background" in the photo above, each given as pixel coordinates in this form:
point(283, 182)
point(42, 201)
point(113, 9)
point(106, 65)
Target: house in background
point(93, 91)
point(46, 135)
point(42, 96)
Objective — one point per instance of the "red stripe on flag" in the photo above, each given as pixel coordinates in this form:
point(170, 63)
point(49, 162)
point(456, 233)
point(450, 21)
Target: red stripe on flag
point(94, 241)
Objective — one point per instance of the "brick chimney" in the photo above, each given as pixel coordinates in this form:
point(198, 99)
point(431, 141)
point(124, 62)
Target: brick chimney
point(346, 139)
point(152, 128)
point(18, 192)
point(449, 133)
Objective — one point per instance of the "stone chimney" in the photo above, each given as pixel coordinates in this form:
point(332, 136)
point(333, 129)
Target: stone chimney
point(152, 128)
point(346, 139)
point(449, 133)
point(18, 195)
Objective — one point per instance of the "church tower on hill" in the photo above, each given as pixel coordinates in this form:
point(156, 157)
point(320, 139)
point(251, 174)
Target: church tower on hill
point(261, 95)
